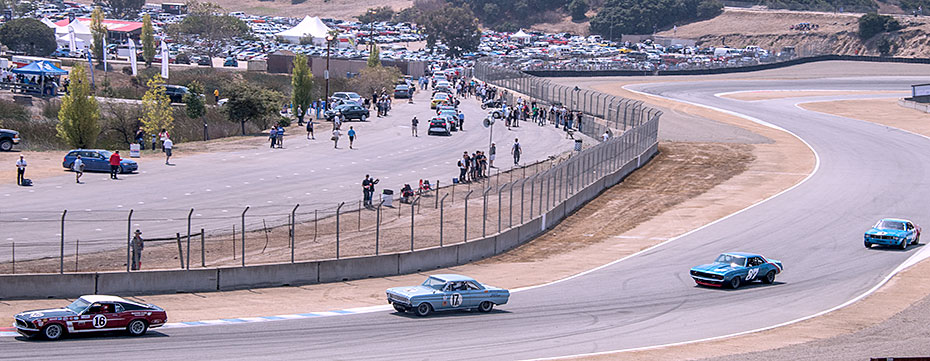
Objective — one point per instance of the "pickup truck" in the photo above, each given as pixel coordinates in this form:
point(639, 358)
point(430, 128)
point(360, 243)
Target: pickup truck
point(8, 138)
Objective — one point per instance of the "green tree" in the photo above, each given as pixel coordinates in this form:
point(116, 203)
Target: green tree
point(248, 102)
point(29, 36)
point(126, 7)
point(578, 8)
point(148, 40)
point(371, 80)
point(378, 14)
point(79, 116)
point(374, 56)
point(872, 23)
point(456, 27)
point(647, 16)
point(98, 32)
point(194, 100)
point(207, 28)
point(302, 87)
point(157, 113)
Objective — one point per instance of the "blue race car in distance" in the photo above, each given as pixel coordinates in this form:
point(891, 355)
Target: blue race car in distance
point(446, 292)
point(734, 268)
point(892, 232)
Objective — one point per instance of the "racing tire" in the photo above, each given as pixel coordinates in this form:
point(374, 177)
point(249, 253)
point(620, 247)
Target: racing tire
point(903, 245)
point(735, 282)
point(6, 145)
point(53, 332)
point(484, 106)
point(868, 244)
point(424, 309)
point(137, 328)
point(486, 306)
point(399, 308)
point(769, 278)
point(122, 170)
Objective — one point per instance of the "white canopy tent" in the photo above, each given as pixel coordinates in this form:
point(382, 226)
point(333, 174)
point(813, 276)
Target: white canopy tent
point(521, 37)
point(64, 41)
point(82, 34)
point(308, 27)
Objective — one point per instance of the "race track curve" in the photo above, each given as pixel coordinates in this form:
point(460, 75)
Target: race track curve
point(866, 171)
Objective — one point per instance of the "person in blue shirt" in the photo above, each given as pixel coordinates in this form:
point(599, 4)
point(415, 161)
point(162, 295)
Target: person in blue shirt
point(351, 136)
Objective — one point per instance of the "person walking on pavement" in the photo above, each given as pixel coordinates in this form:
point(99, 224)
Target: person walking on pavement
point(310, 129)
point(114, 164)
point(162, 136)
point(516, 151)
point(216, 96)
point(351, 136)
point(280, 137)
point(413, 126)
point(137, 244)
point(20, 170)
point(335, 138)
point(492, 153)
point(168, 145)
point(273, 136)
point(78, 168)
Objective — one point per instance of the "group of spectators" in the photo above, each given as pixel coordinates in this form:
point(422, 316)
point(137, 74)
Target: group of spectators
point(473, 167)
point(35, 83)
point(381, 101)
point(804, 27)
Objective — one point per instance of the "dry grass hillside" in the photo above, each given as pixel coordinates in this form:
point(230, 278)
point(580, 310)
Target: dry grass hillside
point(336, 9)
point(837, 33)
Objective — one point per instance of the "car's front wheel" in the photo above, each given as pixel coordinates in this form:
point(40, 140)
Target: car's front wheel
point(400, 308)
point(735, 282)
point(769, 277)
point(868, 244)
point(486, 306)
point(424, 309)
point(53, 332)
point(903, 244)
point(6, 145)
point(137, 328)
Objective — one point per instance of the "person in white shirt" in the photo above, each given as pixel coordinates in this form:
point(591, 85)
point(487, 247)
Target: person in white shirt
point(336, 135)
point(168, 145)
point(20, 170)
point(605, 136)
point(78, 168)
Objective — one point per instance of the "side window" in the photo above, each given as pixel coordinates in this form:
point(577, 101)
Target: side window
point(119, 308)
point(472, 286)
point(447, 287)
point(755, 261)
point(909, 226)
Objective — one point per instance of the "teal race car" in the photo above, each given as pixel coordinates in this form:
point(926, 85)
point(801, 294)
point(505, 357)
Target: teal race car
point(892, 232)
point(733, 269)
point(446, 292)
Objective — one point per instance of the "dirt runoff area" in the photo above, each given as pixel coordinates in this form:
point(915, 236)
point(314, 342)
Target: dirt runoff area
point(778, 94)
point(885, 111)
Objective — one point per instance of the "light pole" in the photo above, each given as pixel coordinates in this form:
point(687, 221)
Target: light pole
point(329, 41)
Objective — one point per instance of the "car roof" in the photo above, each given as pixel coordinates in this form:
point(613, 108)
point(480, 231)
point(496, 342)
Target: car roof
point(743, 254)
point(449, 277)
point(88, 150)
point(102, 298)
point(896, 220)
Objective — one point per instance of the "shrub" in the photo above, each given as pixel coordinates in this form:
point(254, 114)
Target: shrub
point(871, 24)
point(578, 8)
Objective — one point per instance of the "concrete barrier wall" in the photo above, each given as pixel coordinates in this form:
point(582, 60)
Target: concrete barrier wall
point(475, 250)
point(148, 282)
point(47, 285)
point(428, 259)
point(270, 275)
point(924, 107)
point(338, 270)
point(508, 240)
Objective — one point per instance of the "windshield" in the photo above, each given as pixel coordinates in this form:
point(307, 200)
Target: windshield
point(886, 224)
point(354, 96)
point(434, 283)
point(78, 305)
point(105, 154)
point(731, 259)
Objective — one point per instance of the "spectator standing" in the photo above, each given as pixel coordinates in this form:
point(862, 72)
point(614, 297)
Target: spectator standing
point(413, 126)
point(310, 129)
point(137, 244)
point(273, 136)
point(154, 140)
point(168, 145)
point(140, 138)
point(366, 190)
point(351, 136)
point(335, 138)
point(163, 135)
point(517, 150)
point(20, 170)
point(280, 137)
point(605, 136)
point(114, 164)
point(78, 168)
point(216, 96)
point(463, 168)
point(492, 153)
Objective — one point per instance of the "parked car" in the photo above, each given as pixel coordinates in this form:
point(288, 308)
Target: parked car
point(231, 61)
point(734, 268)
point(439, 125)
point(91, 313)
point(8, 138)
point(203, 60)
point(439, 99)
point(446, 292)
point(452, 117)
point(349, 111)
point(97, 160)
point(892, 232)
point(402, 91)
point(346, 97)
point(176, 93)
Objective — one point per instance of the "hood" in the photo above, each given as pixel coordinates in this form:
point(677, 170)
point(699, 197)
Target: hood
point(716, 268)
point(38, 314)
point(412, 291)
point(886, 232)
point(127, 161)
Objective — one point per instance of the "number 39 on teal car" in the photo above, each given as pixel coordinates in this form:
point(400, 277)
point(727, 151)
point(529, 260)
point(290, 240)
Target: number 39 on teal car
point(735, 268)
point(446, 292)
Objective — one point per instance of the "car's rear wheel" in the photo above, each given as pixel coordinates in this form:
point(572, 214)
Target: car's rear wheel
point(424, 309)
point(868, 244)
point(53, 331)
point(400, 308)
point(486, 306)
point(6, 145)
point(769, 277)
point(122, 170)
point(735, 282)
point(137, 327)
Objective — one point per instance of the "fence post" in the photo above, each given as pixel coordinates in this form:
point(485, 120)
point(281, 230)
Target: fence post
point(243, 235)
point(191, 213)
point(203, 252)
point(61, 259)
point(532, 194)
point(466, 215)
point(337, 227)
point(500, 206)
point(442, 205)
point(484, 213)
point(510, 207)
point(412, 213)
point(293, 229)
point(437, 194)
point(378, 227)
point(359, 215)
point(14, 258)
point(128, 240)
point(180, 251)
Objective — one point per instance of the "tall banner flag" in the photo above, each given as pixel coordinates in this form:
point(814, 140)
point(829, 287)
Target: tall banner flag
point(72, 44)
point(164, 59)
point(90, 65)
point(132, 57)
point(104, 53)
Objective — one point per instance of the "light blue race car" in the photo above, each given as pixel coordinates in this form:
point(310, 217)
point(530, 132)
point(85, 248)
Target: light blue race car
point(735, 268)
point(446, 292)
point(892, 232)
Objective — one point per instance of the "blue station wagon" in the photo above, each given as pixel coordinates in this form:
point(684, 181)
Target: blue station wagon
point(734, 268)
point(892, 232)
point(446, 292)
point(97, 160)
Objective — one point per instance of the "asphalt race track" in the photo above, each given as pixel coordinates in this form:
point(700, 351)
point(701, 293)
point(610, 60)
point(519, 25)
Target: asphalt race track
point(866, 172)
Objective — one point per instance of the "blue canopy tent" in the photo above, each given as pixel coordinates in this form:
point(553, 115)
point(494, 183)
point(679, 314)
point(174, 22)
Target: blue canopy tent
point(41, 68)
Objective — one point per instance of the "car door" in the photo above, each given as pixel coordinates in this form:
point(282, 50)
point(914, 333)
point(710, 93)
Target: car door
point(473, 295)
point(754, 268)
point(97, 162)
point(909, 227)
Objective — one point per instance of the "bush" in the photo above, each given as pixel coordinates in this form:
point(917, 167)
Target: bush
point(871, 24)
point(578, 8)
point(14, 112)
point(709, 8)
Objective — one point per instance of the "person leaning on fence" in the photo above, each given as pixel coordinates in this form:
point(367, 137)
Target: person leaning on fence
point(137, 244)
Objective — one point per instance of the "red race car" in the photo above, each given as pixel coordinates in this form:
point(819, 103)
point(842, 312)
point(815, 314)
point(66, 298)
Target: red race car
point(91, 313)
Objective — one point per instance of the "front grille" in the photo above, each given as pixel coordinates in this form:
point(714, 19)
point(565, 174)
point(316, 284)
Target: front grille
point(397, 298)
point(882, 237)
point(706, 275)
point(22, 323)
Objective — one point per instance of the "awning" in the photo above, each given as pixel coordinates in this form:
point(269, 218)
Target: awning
point(41, 67)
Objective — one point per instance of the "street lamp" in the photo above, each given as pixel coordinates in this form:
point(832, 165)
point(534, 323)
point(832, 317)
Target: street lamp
point(329, 41)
